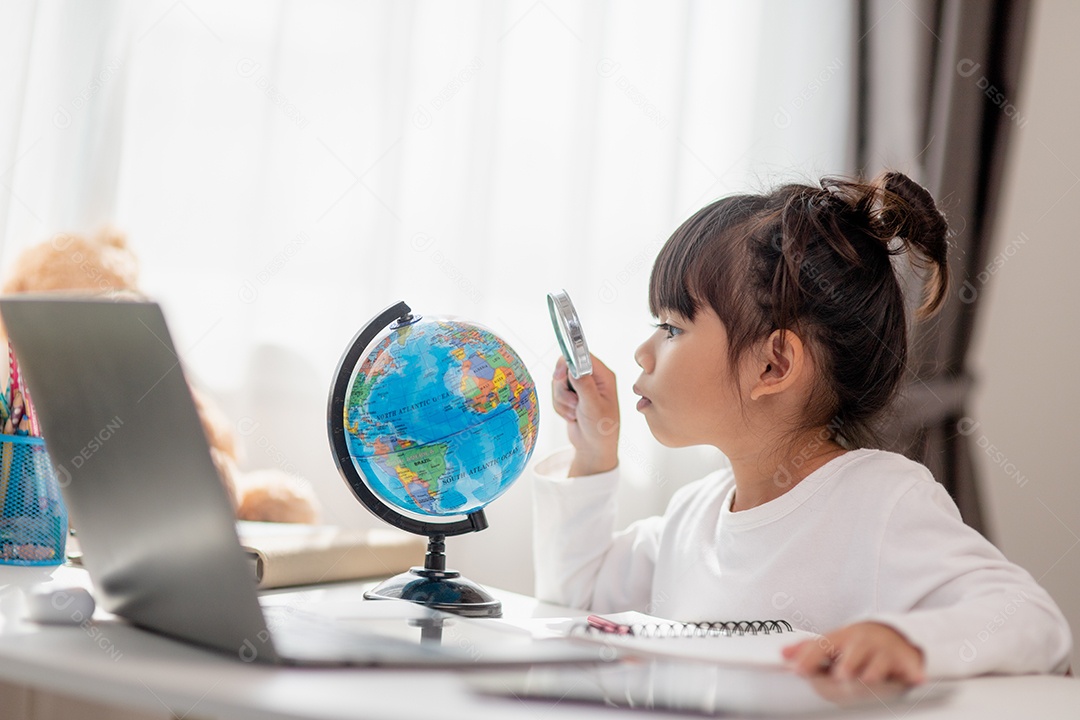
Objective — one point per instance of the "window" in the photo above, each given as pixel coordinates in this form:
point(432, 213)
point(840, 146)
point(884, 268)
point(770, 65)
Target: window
point(285, 170)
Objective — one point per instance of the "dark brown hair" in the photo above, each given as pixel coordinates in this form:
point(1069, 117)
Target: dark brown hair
point(816, 261)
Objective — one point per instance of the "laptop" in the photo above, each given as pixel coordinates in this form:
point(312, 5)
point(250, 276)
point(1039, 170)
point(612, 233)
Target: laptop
point(155, 525)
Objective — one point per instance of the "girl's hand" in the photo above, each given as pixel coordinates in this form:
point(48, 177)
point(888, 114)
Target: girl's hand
point(592, 416)
point(869, 651)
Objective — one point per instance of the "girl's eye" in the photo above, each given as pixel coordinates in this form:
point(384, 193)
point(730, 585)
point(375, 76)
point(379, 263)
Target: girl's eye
point(668, 328)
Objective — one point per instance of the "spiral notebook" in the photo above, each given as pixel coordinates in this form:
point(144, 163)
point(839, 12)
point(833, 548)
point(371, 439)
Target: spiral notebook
point(739, 642)
point(643, 626)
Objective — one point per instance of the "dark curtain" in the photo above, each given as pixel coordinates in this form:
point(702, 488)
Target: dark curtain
point(937, 83)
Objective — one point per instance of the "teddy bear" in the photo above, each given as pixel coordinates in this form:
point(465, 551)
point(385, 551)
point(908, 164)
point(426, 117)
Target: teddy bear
point(105, 265)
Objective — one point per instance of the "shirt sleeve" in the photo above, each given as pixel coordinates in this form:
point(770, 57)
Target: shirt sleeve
point(971, 610)
point(581, 561)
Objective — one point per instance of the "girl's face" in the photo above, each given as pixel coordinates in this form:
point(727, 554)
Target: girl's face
point(688, 391)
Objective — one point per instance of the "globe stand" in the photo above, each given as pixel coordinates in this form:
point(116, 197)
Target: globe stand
point(438, 588)
point(431, 585)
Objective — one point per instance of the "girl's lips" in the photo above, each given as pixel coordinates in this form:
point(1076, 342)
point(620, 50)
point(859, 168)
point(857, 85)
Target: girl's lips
point(644, 402)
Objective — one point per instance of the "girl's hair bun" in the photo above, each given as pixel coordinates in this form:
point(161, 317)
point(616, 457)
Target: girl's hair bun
point(907, 211)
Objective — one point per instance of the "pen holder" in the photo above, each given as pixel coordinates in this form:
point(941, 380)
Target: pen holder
point(33, 518)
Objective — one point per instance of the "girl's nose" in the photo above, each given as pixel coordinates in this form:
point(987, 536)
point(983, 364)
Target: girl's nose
point(643, 357)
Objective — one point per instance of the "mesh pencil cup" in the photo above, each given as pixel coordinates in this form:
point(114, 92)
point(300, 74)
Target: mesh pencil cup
point(33, 518)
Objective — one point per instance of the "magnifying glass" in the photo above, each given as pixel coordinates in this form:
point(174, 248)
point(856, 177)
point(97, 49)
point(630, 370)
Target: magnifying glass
point(571, 337)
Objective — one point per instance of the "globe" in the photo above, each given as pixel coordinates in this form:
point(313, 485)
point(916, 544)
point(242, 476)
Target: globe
point(441, 417)
point(430, 421)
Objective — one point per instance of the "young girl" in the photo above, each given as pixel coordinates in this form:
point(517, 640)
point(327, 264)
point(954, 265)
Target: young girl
point(781, 339)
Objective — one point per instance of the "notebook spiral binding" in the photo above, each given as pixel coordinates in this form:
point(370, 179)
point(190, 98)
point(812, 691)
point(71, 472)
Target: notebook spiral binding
point(698, 630)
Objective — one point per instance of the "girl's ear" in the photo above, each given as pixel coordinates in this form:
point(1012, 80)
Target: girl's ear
point(780, 365)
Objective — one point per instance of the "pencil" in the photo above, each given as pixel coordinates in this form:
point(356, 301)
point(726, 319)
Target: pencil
point(29, 416)
point(11, 425)
point(27, 423)
point(13, 371)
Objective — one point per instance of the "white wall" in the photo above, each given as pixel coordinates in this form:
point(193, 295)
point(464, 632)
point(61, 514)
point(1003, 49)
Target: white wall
point(1027, 343)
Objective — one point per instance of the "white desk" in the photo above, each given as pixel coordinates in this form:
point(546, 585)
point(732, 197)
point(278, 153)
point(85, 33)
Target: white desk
point(111, 663)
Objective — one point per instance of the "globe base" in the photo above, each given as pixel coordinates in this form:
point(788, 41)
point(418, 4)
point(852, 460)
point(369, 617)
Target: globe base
point(442, 590)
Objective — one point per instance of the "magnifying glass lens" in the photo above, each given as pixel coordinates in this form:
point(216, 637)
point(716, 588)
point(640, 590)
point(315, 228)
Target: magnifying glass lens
point(567, 325)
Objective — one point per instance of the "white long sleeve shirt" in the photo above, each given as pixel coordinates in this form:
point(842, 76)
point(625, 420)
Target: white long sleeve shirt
point(868, 536)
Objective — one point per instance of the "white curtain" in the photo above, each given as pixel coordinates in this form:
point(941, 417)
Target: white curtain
point(284, 170)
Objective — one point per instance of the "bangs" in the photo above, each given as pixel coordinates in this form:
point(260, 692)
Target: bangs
point(674, 270)
point(701, 260)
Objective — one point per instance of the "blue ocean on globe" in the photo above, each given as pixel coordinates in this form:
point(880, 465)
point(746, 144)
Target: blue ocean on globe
point(441, 417)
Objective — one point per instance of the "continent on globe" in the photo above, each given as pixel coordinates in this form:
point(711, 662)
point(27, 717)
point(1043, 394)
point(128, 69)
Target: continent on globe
point(441, 417)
